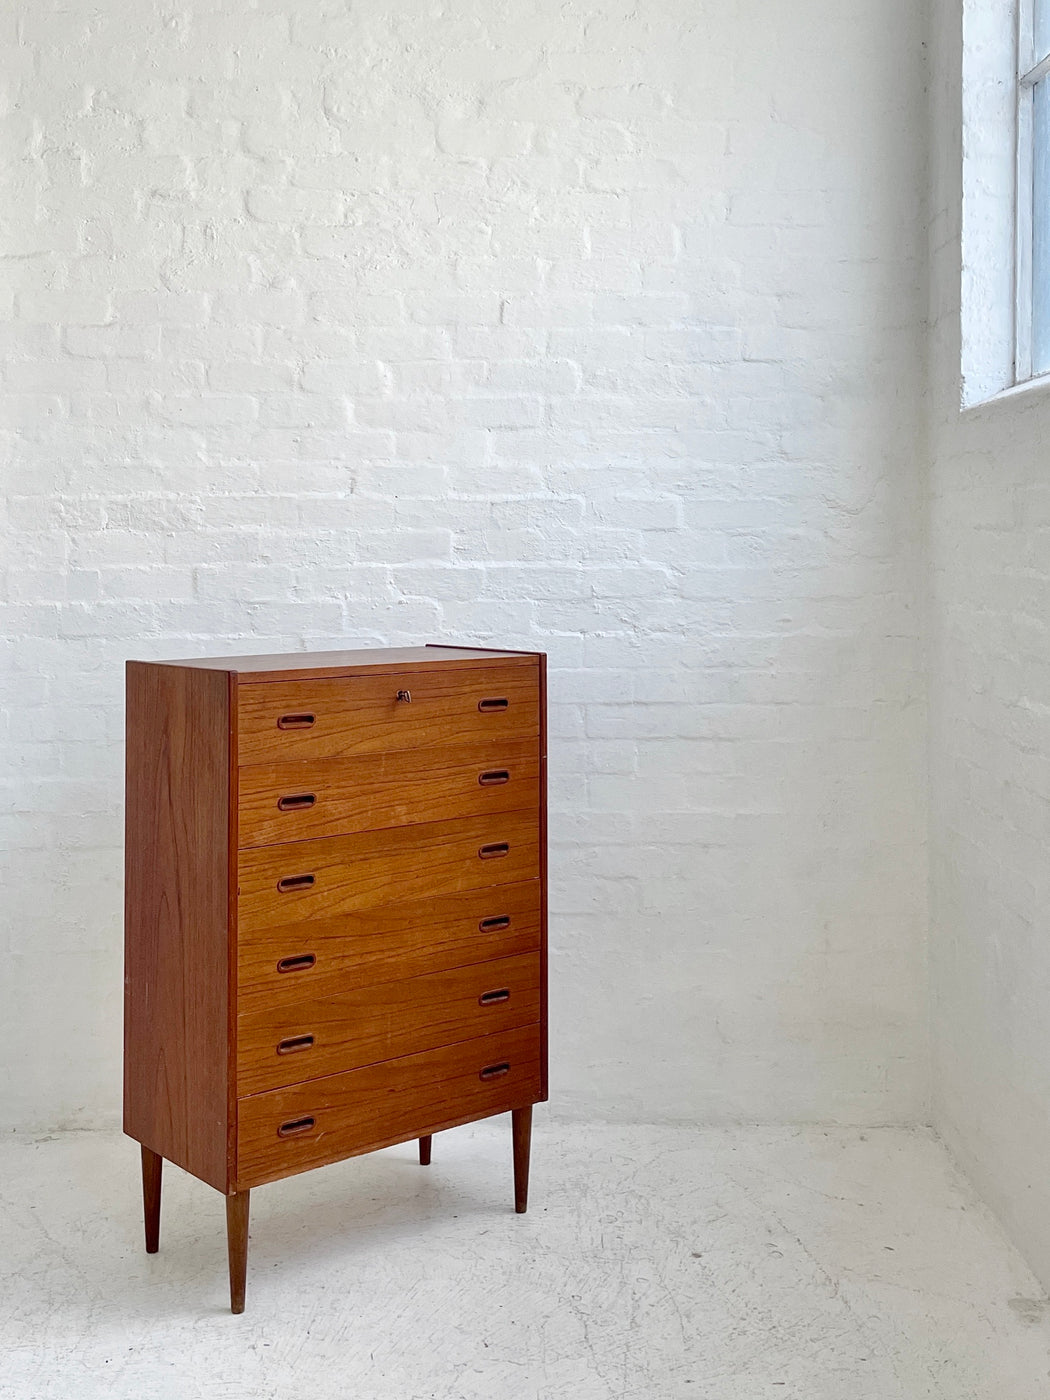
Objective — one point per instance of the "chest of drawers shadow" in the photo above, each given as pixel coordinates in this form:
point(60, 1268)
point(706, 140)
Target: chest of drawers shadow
point(335, 911)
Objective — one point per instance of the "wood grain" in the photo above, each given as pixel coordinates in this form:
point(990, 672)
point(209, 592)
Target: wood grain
point(544, 884)
point(521, 1133)
point(372, 868)
point(331, 796)
point(386, 1103)
point(362, 1025)
point(232, 991)
point(237, 1207)
point(152, 1173)
point(360, 714)
point(176, 1007)
point(305, 665)
point(386, 943)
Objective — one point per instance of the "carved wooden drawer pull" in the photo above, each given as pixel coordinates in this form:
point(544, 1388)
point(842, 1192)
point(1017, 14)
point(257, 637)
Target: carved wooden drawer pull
point(493, 777)
point(298, 802)
point(491, 998)
point(295, 721)
point(495, 1071)
point(294, 1043)
point(494, 850)
point(493, 702)
point(299, 963)
point(294, 882)
point(492, 925)
point(294, 1127)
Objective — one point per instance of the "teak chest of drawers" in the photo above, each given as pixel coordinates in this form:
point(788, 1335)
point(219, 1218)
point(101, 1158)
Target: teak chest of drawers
point(335, 912)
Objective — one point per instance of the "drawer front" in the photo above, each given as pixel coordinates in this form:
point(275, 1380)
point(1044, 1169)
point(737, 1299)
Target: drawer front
point(288, 1130)
point(295, 720)
point(278, 967)
point(328, 797)
point(339, 874)
point(363, 1025)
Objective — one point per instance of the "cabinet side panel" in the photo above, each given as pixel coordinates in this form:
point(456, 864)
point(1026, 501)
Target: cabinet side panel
point(176, 935)
point(544, 920)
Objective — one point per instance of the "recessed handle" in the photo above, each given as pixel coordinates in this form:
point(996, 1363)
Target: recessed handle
point(493, 998)
point(494, 850)
point(297, 964)
point(493, 702)
point(294, 882)
point(494, 776)
point(495, 1071)
point(294, 1127)
point(298, 802)
point(492, 925)
point(295, 721)
point(294, 1043)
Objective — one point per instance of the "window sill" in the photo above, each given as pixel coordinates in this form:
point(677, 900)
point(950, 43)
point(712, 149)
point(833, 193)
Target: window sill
point(1029, 388)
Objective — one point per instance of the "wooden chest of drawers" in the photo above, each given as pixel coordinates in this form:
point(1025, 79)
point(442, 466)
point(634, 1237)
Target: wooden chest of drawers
point(335, 915)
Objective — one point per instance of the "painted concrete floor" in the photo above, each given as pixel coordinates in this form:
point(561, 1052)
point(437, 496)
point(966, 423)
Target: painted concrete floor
point(655, 1264)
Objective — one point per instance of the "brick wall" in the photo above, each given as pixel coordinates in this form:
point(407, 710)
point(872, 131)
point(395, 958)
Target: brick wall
point(592, 328)
point(989, 730)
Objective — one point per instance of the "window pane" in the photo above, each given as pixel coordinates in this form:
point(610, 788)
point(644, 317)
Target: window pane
point(1041, 230)
point(1041, 16)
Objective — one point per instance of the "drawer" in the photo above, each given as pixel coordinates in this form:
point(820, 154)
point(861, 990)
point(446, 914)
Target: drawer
point(346, 715)
point(331, 796)
point(362, 1025)
point(288, 1130)
point(339, 874)
point(321, 957)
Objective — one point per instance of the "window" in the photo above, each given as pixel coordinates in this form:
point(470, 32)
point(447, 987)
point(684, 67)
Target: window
point(1004, 289)
point(1032, 336)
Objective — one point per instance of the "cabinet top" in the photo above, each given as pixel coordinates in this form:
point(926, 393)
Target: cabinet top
point(320, 663)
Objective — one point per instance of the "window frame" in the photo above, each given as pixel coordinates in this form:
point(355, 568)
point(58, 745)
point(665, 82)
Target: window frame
point(1031, 70)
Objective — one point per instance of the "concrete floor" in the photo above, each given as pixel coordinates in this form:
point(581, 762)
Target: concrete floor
point(655, 1264)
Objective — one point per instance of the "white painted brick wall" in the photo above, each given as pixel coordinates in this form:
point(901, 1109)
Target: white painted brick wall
point(990, 729)
point(590, 328)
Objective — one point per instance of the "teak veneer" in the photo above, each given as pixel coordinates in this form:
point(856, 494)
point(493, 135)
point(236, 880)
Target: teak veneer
point(335, 911)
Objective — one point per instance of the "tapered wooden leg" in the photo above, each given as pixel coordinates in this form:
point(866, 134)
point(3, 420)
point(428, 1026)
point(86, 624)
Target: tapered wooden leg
point(237, 1246)
point(521, 1127)
point(152, 1162)
point(424, 1151)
